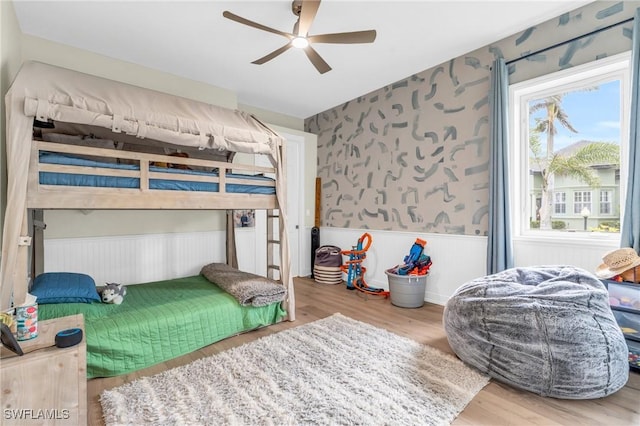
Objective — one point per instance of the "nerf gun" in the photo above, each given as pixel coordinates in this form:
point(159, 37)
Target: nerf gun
point(415, 252)
point(414, 259)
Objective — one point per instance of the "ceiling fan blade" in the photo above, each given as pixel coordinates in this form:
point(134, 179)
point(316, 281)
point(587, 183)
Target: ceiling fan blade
point(272, 55)
point(353, 37)
point(245, 21)
point(316, 60)
point(308, 11)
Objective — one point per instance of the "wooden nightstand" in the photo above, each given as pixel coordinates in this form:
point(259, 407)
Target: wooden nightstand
point(47, 385)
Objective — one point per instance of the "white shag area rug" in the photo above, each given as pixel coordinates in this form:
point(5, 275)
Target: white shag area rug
point(334, 371)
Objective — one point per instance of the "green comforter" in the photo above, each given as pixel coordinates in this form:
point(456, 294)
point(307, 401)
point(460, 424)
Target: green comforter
point(159, 321)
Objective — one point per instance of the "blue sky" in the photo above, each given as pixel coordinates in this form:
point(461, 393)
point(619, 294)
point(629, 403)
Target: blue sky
point(594, 114)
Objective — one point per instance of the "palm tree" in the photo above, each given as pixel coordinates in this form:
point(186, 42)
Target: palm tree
point(578, 165)
point(554, 113)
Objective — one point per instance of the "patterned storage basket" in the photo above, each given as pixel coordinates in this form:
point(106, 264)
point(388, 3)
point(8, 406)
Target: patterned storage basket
point(327, 265)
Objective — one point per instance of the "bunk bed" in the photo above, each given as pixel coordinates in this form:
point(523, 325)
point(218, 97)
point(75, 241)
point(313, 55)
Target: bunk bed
point(77, 141)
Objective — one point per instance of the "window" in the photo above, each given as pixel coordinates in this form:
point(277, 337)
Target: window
point(605, 201)
point(560, 203)
point(570, 131)
point(582, 203)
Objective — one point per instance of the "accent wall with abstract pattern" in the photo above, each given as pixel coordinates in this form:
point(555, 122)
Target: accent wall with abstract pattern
point(414, 155)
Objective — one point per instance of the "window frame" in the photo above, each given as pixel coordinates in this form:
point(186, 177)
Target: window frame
point(592, 73)
point(608, 202)
point(582, 203)
point(563, 203)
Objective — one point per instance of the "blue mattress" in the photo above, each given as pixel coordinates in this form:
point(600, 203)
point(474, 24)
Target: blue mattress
point(68, 179)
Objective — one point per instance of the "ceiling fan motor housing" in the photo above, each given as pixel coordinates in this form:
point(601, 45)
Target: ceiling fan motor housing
point(296, 7)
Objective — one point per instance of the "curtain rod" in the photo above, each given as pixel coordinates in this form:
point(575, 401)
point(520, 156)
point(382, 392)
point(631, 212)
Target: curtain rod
point(568, 41)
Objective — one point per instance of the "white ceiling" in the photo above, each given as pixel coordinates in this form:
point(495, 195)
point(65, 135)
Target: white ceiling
point(192, 39)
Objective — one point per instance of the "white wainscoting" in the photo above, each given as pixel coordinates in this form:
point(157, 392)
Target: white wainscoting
point(580, 253)
point(134, 259)
point(456, 258)
point(460, 258)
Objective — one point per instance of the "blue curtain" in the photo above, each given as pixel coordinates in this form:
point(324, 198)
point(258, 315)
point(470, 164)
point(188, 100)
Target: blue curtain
point(630, 236)
point(499, 245)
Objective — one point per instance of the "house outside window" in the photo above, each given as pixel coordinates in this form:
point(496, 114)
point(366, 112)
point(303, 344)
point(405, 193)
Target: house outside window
point(570, 131)
point(606, 198)
point(560, 203)
point(582, 201)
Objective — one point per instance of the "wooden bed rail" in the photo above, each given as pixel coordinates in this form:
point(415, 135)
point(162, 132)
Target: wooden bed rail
point(141, 156)
point(82, 197)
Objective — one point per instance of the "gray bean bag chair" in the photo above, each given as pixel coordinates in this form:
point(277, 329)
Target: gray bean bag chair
point(547, 329)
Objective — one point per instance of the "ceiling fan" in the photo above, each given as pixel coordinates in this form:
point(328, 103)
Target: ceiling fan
point(299, 38)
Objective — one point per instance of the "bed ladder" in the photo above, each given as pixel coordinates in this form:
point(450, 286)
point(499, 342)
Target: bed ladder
point(273, 244)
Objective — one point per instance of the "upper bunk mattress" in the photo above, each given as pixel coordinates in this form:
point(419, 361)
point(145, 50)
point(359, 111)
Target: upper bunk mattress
point(72, 179)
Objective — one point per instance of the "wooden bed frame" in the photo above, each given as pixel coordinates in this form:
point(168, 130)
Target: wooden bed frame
point(40, 196)
point(44, 196)
point(144, 125)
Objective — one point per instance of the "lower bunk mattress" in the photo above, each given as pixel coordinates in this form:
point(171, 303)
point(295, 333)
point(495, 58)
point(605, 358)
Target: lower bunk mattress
point(159, 321)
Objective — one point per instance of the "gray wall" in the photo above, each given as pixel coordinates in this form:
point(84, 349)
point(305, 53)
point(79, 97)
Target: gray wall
point(413, 155)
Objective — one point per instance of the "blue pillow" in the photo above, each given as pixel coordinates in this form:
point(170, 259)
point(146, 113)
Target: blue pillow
point(64, 287)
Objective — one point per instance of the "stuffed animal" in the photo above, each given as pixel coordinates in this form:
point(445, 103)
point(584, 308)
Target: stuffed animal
point(173, 165)
point(179, 166)
point(113, 293)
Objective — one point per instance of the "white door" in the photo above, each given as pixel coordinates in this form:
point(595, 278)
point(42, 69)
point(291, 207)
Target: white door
point(295, 197)
point(295, 202)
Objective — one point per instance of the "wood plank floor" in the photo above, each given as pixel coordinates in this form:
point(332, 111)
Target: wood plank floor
point(496, 404)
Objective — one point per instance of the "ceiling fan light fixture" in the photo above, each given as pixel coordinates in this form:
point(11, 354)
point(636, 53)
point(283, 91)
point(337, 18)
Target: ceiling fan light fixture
point(300, 42)
point(299, 38)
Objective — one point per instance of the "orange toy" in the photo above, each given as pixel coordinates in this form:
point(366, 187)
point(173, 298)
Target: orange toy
point(355, 271)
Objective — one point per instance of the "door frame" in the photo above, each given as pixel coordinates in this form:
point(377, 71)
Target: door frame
point(299, 141)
